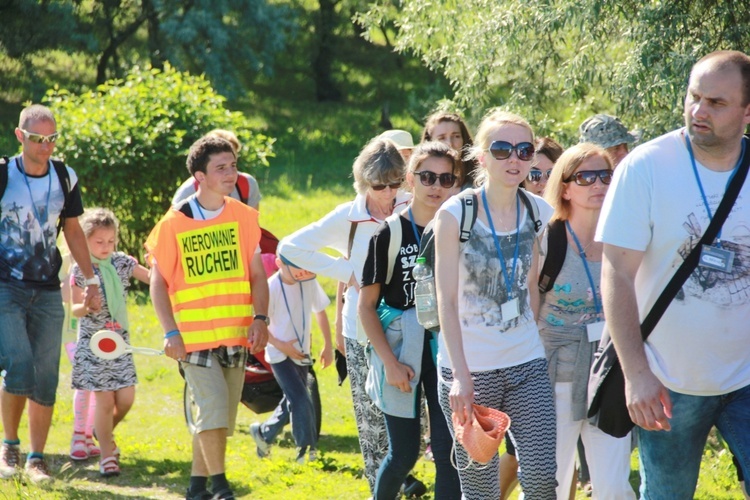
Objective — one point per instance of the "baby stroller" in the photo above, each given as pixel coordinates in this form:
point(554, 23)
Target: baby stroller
point(261, 393)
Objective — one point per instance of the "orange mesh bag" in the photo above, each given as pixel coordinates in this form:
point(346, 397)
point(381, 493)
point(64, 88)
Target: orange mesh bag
point(482, 436)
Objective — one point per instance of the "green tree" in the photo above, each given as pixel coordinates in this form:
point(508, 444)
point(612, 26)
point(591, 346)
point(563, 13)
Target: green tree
point(558, 61)
point(127, 141)
point(228, 40)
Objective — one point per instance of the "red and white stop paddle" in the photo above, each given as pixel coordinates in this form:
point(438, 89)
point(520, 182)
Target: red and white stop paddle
point(107, 344)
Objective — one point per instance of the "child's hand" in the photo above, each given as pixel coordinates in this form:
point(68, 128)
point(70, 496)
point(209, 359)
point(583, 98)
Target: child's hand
point(289, 348)
point(326, 355)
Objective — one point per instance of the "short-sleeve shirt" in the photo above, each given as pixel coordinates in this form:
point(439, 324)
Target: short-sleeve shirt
point(400, 292)
point(31, 206)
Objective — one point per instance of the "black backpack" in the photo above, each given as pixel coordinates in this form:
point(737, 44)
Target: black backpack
point(469, 203)
point(62, 175)
point(557, 248)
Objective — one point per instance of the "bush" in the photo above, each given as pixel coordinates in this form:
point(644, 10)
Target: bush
point(128, 141)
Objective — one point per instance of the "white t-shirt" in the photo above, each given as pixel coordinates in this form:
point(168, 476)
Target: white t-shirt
point(282, 324)
point(489, 341)
point(701, 345)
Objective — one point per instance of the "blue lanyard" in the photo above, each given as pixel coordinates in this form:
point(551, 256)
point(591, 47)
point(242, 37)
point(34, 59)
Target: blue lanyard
point(700, 185)
point(508, 280)
point(414, 226)
point(33, 205)
point(582, 254)
point(197, 204)
point(291, 318)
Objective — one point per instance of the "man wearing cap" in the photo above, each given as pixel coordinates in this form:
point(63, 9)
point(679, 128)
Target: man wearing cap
point(403, 141)
point(608, 132)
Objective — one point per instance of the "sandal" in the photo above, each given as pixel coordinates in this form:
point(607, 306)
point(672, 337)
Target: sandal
point(78, 449)
point(91, 448)
point(109, 467)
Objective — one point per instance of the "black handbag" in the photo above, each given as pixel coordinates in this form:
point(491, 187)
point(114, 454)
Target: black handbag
point(606, 389)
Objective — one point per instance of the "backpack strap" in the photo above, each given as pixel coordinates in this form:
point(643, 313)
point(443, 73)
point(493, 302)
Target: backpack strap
point(557, 248)
point(468, 214)
point(185, 209)
point(352, 232)
point(4, 164)
point(394, 245)
point(243, 188)
point(64, 177)
point(532, 208)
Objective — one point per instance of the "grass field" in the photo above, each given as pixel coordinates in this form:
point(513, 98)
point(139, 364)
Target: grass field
point(156, 445)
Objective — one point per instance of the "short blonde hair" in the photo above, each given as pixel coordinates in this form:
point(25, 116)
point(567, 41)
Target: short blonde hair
point(494, 119)
point(565, 166)
point(379, 163)
point(228, 136)
point(98, 218)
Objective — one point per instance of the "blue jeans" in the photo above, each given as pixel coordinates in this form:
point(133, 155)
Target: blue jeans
point(405, 439)
point(274, 424)
point(670, 461)
point(293, 381)
point(31, 322)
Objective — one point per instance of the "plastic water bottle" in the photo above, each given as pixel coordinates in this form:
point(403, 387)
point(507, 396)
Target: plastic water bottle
point(425, 296)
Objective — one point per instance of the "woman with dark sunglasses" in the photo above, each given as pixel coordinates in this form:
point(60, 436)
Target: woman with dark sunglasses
point(489, 347)
point(378, 174)
point(570, 321)
point(547, 153)
point(401, 362)
point(451, 129)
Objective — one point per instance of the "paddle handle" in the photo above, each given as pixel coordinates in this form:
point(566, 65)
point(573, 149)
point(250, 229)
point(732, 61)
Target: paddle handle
point(144, 350)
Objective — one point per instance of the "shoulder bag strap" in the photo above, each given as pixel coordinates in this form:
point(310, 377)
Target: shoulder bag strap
point(691, 261)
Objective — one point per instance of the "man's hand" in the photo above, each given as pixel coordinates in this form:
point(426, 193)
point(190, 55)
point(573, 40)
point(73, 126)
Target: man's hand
point(257, 335)
point(91, 300)
point(174, 347)
point(648, 402)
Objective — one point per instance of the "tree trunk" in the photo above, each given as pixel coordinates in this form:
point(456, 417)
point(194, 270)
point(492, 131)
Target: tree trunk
point(325, 86)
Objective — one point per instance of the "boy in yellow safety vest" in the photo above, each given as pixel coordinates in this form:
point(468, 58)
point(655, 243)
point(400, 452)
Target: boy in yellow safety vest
point(209, 290)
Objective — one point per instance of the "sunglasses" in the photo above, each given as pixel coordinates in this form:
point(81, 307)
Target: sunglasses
point(501, 150)
point(429, 178)
point(39, 138)
point(381, 187)
point(535, 175)
point(588, 177)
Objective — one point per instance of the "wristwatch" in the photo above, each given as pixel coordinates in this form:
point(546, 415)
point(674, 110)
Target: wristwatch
point(263, 317)
point(93, 281)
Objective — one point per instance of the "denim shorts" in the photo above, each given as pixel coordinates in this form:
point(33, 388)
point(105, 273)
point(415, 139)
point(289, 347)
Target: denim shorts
point(31, 322)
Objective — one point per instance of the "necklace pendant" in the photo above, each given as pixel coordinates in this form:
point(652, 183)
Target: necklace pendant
point(510, 238)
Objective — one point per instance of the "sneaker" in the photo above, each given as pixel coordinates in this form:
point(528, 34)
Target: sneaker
point(201, 495)
point(36, 469)
point(313, 455)
point(262, 448)
point(225, 494)
point(10, 458)
point(301, 452)
point(413, 487)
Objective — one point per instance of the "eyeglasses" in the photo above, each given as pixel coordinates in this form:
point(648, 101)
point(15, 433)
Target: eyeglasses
point(501, 150)
point(381, 187)
point(535, 175)
point(429, 178)
point(39, 138)
point(588, 177)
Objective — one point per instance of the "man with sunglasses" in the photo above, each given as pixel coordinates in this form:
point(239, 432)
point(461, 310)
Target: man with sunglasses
point(693, 371)
point(31, 318)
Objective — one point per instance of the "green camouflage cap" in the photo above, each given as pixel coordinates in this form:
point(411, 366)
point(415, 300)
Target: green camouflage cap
point(605, 131)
